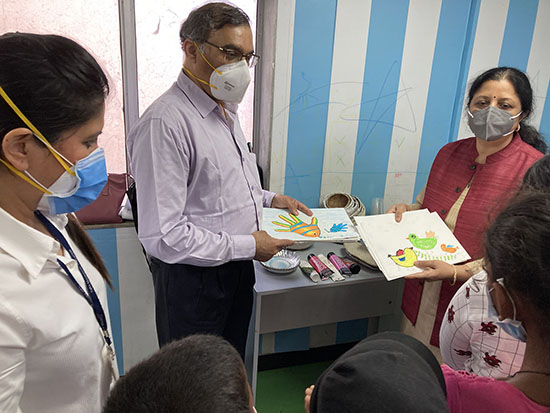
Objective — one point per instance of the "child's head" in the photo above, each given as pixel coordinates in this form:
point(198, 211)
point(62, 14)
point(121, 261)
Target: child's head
point(537, 176)
point(517, 261)
point(388, 372)
point(200, 373)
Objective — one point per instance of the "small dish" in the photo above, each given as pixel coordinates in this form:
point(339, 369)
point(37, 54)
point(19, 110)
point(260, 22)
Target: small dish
point(283, 262)
point(299, 246)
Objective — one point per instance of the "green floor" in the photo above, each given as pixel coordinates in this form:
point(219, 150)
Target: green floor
point(282, 390)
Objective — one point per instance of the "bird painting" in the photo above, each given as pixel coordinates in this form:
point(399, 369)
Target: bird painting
point(427, 243)
point(404, 257)
point(451, 249)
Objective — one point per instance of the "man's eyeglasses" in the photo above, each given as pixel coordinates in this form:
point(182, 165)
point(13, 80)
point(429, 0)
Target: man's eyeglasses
point(233, 55)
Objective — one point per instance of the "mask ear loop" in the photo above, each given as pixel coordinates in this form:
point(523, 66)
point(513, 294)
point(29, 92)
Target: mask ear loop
point(209, 64)
point(37, 133)
point(206, 60)
point(27, 177)
point(519, 124)
point(199, 79)
point(501, 282)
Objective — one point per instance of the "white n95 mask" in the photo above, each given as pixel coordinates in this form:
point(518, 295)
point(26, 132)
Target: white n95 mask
point(229, 82)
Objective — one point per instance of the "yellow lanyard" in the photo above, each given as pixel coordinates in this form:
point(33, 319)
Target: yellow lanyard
point(37, 133)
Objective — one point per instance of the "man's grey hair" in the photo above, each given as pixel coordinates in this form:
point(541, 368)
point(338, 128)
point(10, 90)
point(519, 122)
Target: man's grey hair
point(211, 17)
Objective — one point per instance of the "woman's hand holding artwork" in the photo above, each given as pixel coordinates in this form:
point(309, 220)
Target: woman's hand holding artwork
point(398, 210)
point(436, 270)
point(433, 270)
point(286, 202)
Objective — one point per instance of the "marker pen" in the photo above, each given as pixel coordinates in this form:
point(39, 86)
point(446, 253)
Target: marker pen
point(321, 268)
point(335, 276)
point(339, 264)
point(352, 265)
point(309, 272)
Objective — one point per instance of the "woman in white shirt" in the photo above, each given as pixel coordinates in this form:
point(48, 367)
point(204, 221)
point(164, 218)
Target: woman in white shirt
point(55, 345)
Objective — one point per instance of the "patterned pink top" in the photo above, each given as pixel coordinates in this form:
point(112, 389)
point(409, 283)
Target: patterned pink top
point(468, 393)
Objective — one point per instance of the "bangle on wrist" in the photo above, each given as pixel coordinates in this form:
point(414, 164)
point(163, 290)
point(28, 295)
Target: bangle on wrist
point(453, 282)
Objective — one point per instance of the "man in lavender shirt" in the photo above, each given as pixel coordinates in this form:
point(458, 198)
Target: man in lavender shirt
point(198, 190)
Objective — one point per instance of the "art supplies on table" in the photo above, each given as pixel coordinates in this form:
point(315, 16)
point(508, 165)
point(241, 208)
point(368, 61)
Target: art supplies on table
point(352, 265)
point(309, 271)
point(396, 246)
point(331, 267)
point(335, 275)
point(339, 264)
point(326, 224)
point(323, 270)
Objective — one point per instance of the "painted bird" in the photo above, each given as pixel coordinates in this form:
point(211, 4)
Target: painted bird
point(448, 248)
point(294, 224)
point(423, 243)
point(404, 258)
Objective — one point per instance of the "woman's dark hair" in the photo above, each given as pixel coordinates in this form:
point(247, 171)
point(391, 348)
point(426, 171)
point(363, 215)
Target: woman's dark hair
point(523, 89)
point(55, 82)
point(537, 176)
point(58, 86)
point(83, 241)
point(516, 249)
point(198, 374)
point(211, 17)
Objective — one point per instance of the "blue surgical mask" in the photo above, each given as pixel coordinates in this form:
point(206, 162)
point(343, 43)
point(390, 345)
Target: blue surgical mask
point(512, 327)
point(78, 186)
point(71, 193)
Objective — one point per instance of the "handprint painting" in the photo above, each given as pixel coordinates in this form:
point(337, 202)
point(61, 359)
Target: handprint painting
point(293, 224)
point(326, 224)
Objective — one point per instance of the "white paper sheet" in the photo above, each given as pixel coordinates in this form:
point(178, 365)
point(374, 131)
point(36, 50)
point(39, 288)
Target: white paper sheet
point(326, 224)
point(420, 235)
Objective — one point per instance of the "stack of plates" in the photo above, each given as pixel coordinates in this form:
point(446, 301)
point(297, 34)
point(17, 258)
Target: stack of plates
point(283, 262)
point(352, 204)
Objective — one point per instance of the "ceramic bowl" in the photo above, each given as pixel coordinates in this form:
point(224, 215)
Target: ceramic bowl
point(283, 262)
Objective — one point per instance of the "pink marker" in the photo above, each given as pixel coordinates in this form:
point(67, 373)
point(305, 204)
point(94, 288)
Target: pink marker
point(318, 266)
point(339, 264)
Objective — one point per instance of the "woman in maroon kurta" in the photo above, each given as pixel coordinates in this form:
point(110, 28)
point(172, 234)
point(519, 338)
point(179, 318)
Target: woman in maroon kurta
point(469, 182)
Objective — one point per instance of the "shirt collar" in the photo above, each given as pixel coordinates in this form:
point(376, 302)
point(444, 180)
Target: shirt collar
point(27, 245)
point(198, 97)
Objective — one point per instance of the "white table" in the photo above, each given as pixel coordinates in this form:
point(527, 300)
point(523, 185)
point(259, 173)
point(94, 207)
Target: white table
point(283, 302)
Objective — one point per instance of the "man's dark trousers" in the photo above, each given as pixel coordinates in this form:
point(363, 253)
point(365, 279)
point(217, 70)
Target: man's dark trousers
point(208, 300)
